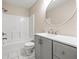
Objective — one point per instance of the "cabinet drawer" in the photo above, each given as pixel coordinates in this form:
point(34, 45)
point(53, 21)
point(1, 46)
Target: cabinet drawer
point(64, 51)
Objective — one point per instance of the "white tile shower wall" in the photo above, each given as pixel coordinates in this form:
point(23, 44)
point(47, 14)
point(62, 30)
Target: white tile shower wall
point(16, 27)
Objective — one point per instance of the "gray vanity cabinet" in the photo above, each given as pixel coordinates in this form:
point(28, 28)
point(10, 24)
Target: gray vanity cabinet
point(49, 49)
point(43, 48)
point(61, 51)
point(54, 50)
point(37, 47)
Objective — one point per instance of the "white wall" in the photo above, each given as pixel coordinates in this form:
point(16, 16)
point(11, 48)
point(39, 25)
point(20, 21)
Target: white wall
point(31, 26)
point(14, 10)
point(39, 10)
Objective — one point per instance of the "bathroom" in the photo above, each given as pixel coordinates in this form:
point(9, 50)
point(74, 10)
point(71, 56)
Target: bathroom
point(38, 29)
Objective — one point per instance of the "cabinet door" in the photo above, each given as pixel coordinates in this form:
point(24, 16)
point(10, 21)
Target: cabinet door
point(46, 48)
point(43, 48)
point(37, 47)
point(55, 50)
point(65, 52)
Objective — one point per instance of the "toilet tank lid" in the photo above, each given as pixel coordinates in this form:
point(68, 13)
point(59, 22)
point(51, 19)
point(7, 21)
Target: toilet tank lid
point(29, 44)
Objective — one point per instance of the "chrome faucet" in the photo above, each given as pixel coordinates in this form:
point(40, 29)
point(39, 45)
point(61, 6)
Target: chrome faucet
point(4, 34)
point(53, 32)
point(56, 32)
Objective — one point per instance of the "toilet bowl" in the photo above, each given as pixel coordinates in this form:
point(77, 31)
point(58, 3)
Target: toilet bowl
point(28, 49)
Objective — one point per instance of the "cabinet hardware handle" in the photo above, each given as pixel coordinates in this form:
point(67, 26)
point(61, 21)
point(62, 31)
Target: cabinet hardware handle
point(63, 53)
point(40, 41)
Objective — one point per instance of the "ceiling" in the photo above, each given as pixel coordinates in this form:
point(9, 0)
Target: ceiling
point(21, 3)
point(56, 3)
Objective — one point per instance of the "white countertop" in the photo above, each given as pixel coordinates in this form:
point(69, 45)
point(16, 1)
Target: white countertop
point(69, 40)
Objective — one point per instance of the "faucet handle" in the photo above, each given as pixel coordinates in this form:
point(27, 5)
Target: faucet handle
point(4, 38)
point(56, 32)
point(4, 33)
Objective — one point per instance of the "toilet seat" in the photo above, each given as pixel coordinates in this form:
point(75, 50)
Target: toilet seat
point(28, 49)
point(29, 44)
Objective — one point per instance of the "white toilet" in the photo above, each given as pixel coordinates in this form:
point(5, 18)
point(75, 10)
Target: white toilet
point(28, 49)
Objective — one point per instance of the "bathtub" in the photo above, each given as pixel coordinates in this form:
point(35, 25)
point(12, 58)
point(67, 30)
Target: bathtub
point(10, 50)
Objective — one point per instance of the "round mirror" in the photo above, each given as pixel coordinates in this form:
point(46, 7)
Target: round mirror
point(60, 12)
